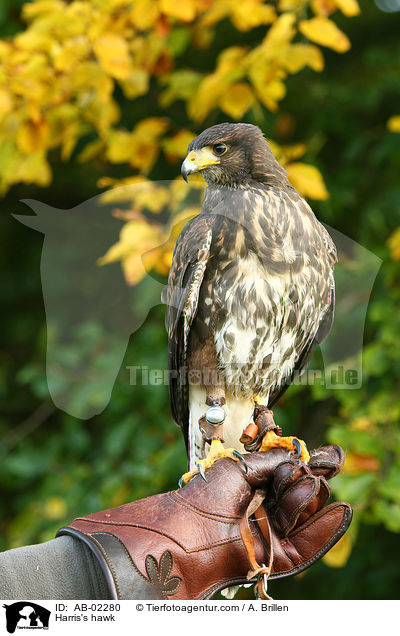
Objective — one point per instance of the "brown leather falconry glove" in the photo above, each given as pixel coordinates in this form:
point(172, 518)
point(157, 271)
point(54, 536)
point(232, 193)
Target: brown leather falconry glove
point(235, 528)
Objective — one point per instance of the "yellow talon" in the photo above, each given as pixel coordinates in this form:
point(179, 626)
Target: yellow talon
point(217, 451)
point(272, 440)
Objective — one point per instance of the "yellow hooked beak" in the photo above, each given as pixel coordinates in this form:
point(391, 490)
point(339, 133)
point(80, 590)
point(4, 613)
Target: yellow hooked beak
point(198, 160)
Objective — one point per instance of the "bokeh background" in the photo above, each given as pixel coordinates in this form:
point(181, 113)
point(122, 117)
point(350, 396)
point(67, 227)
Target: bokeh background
point(97, 94)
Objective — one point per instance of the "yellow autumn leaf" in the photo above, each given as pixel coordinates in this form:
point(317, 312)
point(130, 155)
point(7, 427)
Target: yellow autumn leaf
point(112, 51)
point(248, 14)
point(151, 128)
point(338, 556)
point(176, 146)
point(350, 8)
point(144, 154)
point(297, 56)
point(144, 194)
point(71, 54)
point(206, 98)
point(143, 245)
point(237, 100)
point(307, 180)
point(325, 32)
point(115, 253)
point(181, 84)
point(9, 162)
point(285, 154)
point(76, 19)
point(6, 49)
point(117, 193)
point(54, 508)
point(282, 31)
point(41, 7)
point(137, 83)
point(136, 238)
point(231, 60)
point(133, 268)
point(149, 196)
point(137, 264)
point(70, 139)
point(32, 40)
point(270, 93)
point(323, 7)
point(394, 245)
point(184, 10)
point(120, 146)
point(393, 124)
point(29, 87)
point(144, 13)
point(32, 136)
point(91, 150)
point(6, 101)
point(33, 168)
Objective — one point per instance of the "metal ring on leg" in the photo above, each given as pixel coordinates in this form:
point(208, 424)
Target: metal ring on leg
point(215, 415)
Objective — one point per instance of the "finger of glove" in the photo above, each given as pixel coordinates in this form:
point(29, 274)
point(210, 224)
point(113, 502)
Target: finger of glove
point(316, 503)
point(286, 473)
point(327, 461)
point(261, 466)
point(309, 542)
point(301, 500)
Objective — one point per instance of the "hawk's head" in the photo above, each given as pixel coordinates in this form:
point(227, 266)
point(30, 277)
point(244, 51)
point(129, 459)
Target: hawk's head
point(233, 154)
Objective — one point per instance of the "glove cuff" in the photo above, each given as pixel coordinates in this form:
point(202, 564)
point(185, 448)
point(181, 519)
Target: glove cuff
point(164, 547)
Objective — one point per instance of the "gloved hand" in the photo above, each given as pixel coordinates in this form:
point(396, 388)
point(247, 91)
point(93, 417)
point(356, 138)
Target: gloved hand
point(236, 527)
point(297, 528)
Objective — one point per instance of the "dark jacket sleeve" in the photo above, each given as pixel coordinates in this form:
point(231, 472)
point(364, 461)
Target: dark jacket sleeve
point(63, 568)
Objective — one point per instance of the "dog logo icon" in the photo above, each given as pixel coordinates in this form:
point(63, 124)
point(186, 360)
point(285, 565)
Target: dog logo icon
point(26, 615)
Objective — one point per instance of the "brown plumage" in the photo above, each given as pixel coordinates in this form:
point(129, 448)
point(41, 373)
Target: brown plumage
point(251, 289)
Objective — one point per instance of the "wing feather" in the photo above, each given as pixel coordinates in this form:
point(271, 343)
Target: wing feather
point(190, 258)
point(304, 360)
point(325, 245)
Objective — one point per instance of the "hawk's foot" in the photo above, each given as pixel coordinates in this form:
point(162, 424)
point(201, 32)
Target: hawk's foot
point(217, 451)
point(272, 440)
point(254, 432)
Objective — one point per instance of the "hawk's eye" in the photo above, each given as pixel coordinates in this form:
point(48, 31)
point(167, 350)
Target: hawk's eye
point(219, 149)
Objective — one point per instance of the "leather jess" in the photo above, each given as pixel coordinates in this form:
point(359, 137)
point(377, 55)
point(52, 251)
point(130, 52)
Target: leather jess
point(235, 528)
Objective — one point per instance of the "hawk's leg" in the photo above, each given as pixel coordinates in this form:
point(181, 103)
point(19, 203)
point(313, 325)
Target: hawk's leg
point(264, 434)
point(203, 363)
point(211, 426)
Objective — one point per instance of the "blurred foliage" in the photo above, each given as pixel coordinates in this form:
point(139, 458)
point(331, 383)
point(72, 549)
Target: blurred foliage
point(62, 75)
point(120, 87)
point(65, 77)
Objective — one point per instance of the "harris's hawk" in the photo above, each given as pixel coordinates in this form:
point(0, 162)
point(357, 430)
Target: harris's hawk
point(250, 293)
